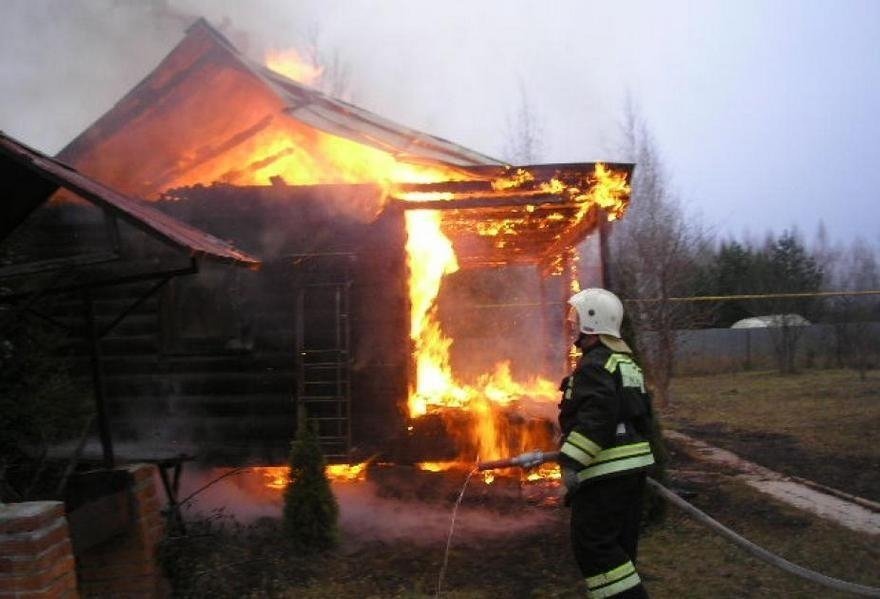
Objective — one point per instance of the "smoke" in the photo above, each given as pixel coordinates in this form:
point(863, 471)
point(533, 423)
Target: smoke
point(367, 516)
point(66, 63)
point(73, 60)
point(364, 514)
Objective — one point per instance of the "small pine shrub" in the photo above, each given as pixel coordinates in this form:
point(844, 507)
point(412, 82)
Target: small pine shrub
point(310, 509)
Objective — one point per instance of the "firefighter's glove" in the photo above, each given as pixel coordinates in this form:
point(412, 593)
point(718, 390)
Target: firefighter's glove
point(570, 479)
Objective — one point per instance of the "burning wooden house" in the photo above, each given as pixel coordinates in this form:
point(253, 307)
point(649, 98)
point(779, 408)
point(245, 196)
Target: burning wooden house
point(357, 220)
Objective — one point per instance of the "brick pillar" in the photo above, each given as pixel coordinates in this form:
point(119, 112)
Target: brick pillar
point(36, 558)
point(126, 565)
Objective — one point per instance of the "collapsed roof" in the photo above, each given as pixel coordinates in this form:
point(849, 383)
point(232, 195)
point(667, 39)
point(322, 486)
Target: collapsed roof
point(208, 114)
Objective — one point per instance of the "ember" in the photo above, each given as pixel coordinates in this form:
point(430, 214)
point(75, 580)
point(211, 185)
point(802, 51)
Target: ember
point(278, 477)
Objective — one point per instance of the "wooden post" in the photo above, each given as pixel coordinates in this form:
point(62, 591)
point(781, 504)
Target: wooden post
point(604, 232)
point(98, 379)
point(569, 277)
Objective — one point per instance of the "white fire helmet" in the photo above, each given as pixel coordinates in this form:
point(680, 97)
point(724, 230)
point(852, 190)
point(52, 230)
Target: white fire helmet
point(598, 312)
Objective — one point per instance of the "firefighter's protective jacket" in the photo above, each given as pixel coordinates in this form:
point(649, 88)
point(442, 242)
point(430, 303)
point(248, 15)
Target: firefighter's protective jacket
point(605, 416)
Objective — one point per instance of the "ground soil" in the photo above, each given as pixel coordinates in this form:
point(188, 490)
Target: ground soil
point(857, 475)
point(817, 426)
point(678, 558)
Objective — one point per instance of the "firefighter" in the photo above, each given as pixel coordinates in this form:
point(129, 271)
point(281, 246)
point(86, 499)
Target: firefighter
point(605, 418)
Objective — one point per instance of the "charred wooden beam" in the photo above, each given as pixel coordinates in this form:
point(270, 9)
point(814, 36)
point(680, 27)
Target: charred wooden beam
point(568, 239)
point(193, 268)
point(489, 262)
point(487, 201)
point(560, 170)
point(54, 264)
point(444, 186)
point(97, 378)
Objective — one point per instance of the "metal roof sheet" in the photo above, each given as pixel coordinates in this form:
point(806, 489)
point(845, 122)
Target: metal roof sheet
point(41, 176)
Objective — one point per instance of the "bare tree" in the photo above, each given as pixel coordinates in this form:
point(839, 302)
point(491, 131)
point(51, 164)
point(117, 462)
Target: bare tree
point(335, 79)
point(857, 271)
point(655, 255)
point(524, 132)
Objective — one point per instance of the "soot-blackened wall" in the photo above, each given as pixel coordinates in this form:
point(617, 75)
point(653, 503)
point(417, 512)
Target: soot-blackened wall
point(231, 335)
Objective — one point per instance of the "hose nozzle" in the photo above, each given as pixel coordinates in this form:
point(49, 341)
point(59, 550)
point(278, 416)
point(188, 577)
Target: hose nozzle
point(530, 459)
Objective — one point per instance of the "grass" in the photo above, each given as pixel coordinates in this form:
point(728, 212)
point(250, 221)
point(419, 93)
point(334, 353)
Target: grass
point(681, 559)
point(818, 424)
point(678, 558)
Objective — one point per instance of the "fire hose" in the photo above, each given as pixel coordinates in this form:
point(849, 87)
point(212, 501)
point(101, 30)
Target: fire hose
point(534, 458)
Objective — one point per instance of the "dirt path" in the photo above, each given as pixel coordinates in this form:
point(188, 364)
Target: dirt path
point(855, 513)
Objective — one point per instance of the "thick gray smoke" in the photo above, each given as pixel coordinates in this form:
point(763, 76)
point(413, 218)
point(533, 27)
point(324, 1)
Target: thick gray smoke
point(64, 63)
point(454, 69)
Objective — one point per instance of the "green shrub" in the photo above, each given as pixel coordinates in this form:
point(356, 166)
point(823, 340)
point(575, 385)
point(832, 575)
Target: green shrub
point(310, 509)
point(41, 404)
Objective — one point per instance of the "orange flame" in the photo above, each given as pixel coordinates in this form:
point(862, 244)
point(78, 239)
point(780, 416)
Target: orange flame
point(347, 472)
point(291, 64)
point(519, 178)
point(274, 477)
point(278, 477)
point(288, 151)
point(546, 472)
point(431, 257)
point(608, 189)
point(441, 466)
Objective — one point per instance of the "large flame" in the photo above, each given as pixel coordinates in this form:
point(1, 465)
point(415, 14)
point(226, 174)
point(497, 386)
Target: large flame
point(431, 257)
point(285, 150)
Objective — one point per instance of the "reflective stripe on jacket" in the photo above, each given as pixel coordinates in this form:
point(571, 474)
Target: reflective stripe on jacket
point(605, 390)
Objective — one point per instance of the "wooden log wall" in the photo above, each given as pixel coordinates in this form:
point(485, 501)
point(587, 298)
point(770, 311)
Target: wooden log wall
point(249, 318)
point(208, 365)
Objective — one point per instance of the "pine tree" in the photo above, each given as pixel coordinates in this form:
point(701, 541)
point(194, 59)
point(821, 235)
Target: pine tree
point(310, 509)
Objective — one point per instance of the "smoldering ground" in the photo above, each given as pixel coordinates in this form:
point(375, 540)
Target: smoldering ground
point(366, 514)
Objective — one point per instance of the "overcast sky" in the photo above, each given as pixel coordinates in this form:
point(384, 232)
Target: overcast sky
point(767, 113)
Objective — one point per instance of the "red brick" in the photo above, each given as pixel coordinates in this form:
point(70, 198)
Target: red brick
point(29, 516)
point(30, 543)
point(127, 566)
point(40, 561)
point(38, 580)
point(140, 472)
point(60, 588)
point(146, 486)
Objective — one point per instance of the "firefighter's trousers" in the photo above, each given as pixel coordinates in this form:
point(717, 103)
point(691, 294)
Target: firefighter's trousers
point(605, 517)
